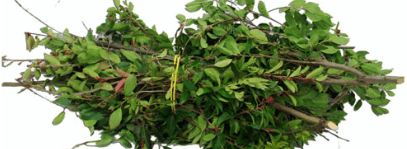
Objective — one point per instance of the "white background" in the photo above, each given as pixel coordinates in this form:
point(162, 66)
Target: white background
point(25, 119)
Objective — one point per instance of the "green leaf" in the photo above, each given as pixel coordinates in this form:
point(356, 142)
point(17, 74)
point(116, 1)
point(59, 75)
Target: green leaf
point(223, 63)
point(209, 137)
point(296, 72)
point(293, 100)
point(259, 36)
point(218, 31)
point(213, 74)
point(125, 143)
point(111, 57)
point(203, 43)
point(278, 66)
point(291, 85)
point(89, 123)
point(339, 40)
point(373, 93)
point(51, 59)
point(181, 18)
point(115, 118)
point(116, 3)
point(330, 50)
point(130, 55)
point(262, 9)
point(358, 105)
point(80, 75)
point(378, 102)
point(57, 120)
point(370, 68)
point(37, 74)
point(201, 123)
point(130, 85)
point(239, 95)
point(27, 73)
point(193, 6)
point(164, 53)
point(63, 101)
point(297, 3)
point(107, 87)
point(312, 7)
point(131, 7)
point(315, 72)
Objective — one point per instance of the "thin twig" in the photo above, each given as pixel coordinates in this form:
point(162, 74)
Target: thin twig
point(84, 143)
point(26, 10)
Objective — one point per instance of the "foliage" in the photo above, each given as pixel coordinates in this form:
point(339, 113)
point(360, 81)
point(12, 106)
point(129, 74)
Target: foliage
point(230, 73)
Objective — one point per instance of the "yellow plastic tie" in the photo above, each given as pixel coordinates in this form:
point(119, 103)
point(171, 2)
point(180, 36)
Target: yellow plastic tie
point(174, 81)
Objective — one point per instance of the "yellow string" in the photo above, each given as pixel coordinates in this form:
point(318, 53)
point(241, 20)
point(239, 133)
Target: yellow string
point(174, 81)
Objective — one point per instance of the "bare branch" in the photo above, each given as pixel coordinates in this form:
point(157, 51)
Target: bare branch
point(26, 10)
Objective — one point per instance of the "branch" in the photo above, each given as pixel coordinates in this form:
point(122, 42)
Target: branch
point(17, 84)
point(306, 118)
point(36, 17)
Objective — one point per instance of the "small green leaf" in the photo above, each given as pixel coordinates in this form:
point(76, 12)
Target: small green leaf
point(193, 8)
point(315, 72)
point(297, 3)
point(330, 50)
point(117, 3)
point(262, 9)
point(37, 74)
point(80, 75)
point(213, 74)
point(378, 102)
point(125, 143)
point(130, 85)
point(131, 7)
point(370, 68)
point(51, 59)
point(201, 123)
point(358, 105)
point(164, 53)
point(115, 118)
point(259, 36)
point(130, 55)
point(57, 120)
point(27, 73)
point(107, 87)
point(181, 18)
point(278, 66)
point(203, 43)
point(223, 63)
point(296, 72)
point(373, 93)
point(291, 85)
point(218, 31)
point(293, 100)
point(209, 137)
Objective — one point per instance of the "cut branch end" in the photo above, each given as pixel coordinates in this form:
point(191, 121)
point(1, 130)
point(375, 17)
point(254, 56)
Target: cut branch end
point(400, 80)
point(331, 125)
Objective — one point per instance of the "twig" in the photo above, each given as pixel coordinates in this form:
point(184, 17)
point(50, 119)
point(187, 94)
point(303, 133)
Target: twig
point(306, 118)
point(142, 28)
point(84, 143)
point(295, 138)
point(92, 91)
point(338, 136)
point(26, 10)
point(17, 84)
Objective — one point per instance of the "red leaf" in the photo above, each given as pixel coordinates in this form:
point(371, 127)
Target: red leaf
point(120, 85)
point(122, 73)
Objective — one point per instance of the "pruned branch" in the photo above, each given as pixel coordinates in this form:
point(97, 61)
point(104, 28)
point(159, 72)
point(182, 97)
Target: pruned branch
point(304, 117)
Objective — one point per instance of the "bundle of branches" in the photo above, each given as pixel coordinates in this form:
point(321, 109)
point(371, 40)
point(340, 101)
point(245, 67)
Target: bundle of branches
point(226, 83)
